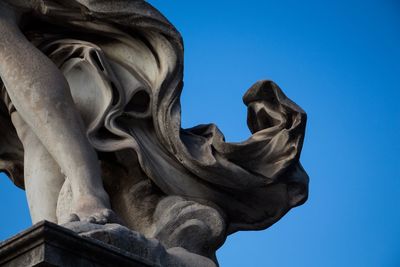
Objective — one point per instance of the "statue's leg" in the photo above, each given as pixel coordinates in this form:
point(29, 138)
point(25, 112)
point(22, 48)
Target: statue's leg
point(41, 95)
point(42, 176)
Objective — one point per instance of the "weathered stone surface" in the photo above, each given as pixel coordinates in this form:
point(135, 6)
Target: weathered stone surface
point(47, 244)
point(90, 128)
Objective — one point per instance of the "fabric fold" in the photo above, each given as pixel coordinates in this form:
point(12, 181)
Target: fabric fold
point(129, 105)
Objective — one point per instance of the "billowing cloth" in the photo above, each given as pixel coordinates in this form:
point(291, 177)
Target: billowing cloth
point(124, 64)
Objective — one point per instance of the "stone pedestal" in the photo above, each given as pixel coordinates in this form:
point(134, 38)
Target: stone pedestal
point(47, 244)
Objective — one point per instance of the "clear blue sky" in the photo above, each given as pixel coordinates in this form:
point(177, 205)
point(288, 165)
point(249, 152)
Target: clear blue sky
point(340, 61)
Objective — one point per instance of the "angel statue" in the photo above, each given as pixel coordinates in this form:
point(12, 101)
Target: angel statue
point(90, 129)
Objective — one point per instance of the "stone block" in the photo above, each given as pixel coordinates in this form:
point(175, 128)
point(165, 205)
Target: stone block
point(47, 244)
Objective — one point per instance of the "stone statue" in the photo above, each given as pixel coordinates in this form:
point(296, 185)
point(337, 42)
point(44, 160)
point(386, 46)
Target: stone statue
point(90, 128)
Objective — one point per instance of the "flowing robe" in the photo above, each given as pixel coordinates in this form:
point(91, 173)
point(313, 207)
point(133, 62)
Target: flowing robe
point(124, 64)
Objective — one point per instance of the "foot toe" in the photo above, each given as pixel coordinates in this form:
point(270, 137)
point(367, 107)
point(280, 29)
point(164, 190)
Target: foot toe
point(73, 217)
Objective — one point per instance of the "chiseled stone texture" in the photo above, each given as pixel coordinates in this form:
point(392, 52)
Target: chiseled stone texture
point(90, 127)
point(47, 244)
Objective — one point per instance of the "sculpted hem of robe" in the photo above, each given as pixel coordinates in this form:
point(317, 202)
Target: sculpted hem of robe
point(124, 65)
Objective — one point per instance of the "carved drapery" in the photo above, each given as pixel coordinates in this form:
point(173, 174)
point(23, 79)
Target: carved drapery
point(124, 64)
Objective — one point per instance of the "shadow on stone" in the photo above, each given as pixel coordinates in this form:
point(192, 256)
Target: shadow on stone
point(85, 244)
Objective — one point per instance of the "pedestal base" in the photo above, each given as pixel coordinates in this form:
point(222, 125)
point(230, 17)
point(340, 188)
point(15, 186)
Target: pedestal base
point(47, 244)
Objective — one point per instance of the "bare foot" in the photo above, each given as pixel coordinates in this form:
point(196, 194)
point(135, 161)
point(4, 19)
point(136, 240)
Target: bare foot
point(93, 209)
